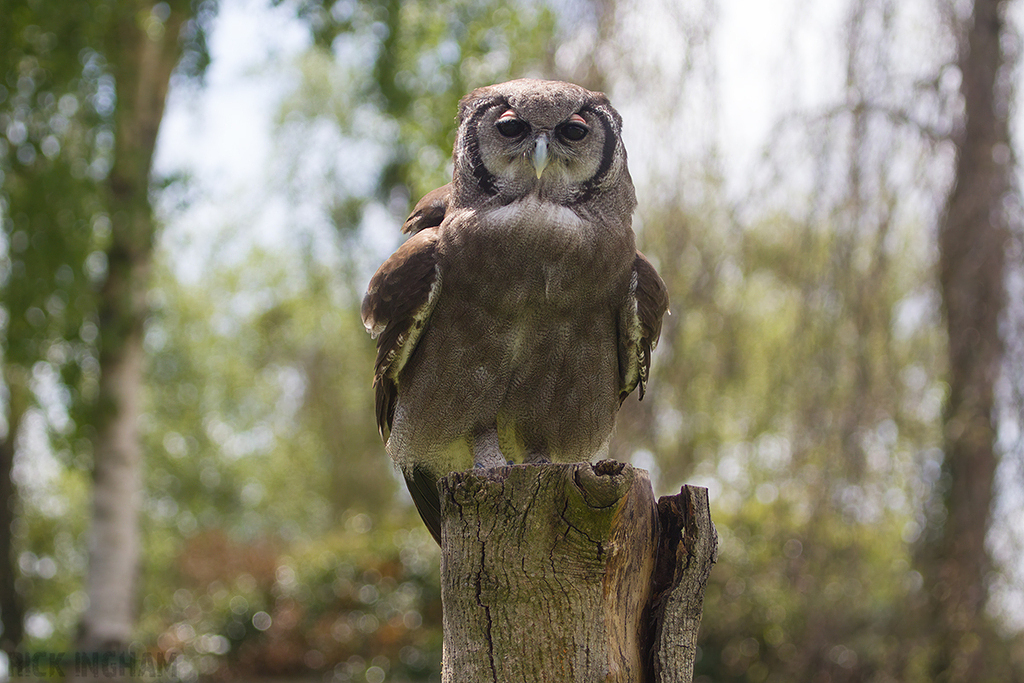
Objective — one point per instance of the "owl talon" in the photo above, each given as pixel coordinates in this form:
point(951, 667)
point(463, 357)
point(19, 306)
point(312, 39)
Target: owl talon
point(536, 458)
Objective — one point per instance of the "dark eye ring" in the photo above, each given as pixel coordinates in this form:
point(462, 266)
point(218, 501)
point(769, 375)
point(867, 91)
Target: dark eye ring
point(510, 127)
point(572, 131)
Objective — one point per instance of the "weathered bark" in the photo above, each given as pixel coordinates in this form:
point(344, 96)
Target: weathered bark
point(973, 240)
point(552, 573)
point(142, 56)
point(688, 548)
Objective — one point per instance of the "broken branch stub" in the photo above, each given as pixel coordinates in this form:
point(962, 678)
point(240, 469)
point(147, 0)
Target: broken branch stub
point(547, 574)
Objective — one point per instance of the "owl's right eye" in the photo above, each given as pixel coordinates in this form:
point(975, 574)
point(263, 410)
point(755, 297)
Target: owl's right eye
point(510, 127)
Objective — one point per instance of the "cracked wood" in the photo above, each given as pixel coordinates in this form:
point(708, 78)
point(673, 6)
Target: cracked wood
point(548, 574)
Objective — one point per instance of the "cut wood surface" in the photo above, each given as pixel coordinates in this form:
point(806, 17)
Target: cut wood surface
point(552, 573)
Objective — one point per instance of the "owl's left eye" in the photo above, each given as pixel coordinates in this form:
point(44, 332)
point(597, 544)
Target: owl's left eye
point(510, 127)
point(573, 131)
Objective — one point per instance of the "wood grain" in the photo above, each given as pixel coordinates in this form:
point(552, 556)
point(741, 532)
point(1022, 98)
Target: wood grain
point(547, 574)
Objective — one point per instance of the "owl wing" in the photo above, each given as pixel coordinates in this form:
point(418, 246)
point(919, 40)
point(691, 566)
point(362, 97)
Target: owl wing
point(429, 211)
point(395, 310)
point(640, 326)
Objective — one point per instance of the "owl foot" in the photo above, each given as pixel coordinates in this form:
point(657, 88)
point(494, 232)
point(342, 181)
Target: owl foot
point(536, 458)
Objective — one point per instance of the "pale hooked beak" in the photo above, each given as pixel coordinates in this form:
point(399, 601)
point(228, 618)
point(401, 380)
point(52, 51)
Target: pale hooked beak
point(540, 154)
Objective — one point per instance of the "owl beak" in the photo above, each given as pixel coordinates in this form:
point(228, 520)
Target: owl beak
point(540, 154)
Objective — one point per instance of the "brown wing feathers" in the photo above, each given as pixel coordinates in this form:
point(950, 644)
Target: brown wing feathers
point(397, 304)
point(651, 298)
point(429, 211)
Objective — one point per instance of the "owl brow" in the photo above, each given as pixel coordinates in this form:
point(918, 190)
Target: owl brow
point(484, 178)
point(607, 154)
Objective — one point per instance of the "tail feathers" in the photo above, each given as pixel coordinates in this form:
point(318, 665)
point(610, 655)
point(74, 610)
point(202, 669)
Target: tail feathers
point(423, 487)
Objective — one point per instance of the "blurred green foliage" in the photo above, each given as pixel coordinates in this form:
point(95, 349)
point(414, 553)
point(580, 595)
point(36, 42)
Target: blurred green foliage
point(388, 76)
point(800, 378)
point(352, 600)
point(813, 417)
point(260, 392)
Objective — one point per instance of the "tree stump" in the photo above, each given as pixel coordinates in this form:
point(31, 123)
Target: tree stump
point(571, 573)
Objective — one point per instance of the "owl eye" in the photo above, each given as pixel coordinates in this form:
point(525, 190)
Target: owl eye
point(573, 131)
point(510, 127)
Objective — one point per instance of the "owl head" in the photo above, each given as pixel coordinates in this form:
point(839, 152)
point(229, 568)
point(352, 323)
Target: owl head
point(557, 140)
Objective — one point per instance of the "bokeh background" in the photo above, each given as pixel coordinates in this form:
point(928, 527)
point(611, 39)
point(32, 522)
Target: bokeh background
point(196, 192)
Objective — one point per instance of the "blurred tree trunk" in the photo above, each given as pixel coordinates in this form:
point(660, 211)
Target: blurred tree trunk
point(142, 48)
point(973, 239)
point(12, 611)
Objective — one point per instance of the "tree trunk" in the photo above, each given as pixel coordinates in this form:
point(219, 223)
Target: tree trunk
point(142, 55)
point(688, 546)
point(12, 611)
point(973, 239)
point(566, 573)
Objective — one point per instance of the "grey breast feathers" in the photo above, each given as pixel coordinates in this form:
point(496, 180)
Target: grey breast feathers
point(640, 322)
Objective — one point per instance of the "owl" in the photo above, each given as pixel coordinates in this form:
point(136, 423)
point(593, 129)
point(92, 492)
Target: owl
point(517, 317)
